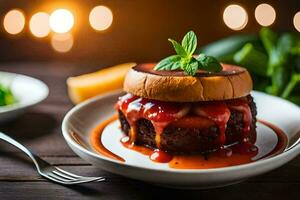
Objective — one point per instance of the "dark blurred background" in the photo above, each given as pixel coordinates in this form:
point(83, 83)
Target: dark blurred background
point(139, 30)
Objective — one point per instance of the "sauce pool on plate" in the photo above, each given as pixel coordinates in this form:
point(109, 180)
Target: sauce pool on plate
point(236, 154)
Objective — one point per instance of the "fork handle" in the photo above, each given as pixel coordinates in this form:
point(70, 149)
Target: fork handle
point(19, 146)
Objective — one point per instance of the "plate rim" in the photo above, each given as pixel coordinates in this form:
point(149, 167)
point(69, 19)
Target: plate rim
point(293, 151)
point(16, 106)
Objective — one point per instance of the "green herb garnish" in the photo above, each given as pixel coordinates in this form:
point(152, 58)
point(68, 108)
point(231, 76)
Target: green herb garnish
point(185, 59)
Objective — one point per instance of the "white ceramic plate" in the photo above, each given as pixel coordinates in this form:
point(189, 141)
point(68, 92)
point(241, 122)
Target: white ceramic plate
point(84, 117)
point(28, 92)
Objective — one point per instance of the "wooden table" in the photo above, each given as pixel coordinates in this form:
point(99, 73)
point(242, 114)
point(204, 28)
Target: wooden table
point(39, 129)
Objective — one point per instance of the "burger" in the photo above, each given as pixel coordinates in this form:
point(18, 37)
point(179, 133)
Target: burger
point(191, 104)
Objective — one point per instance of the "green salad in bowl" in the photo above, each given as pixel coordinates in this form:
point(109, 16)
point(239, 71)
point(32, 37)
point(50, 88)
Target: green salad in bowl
point(18, 93)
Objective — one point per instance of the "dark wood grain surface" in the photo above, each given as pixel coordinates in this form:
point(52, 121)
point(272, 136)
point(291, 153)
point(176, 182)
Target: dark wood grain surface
point(39, 129)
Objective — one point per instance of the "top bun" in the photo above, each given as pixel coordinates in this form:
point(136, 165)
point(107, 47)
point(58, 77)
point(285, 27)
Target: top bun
point(232, 82)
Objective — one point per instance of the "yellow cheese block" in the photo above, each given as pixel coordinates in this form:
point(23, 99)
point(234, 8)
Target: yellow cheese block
point(86, 86)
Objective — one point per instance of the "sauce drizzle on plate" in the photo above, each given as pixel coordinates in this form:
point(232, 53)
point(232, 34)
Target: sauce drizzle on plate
point(97, 143)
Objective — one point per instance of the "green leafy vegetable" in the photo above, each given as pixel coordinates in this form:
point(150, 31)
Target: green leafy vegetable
point(255, 60)
point(209, 63)
point(189, 43)
point(269, 39)
point(192, 67)
point(184, 60)
point(6, 96)
point(178, 48)
point(291, 85)
point(169, 63)
point(225, 49)
point(273, 60)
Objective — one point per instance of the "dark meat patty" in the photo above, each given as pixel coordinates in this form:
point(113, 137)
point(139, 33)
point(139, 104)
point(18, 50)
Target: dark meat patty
point(193, 140)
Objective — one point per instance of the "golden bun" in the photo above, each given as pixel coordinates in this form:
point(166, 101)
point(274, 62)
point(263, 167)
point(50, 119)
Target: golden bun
point(232, 82)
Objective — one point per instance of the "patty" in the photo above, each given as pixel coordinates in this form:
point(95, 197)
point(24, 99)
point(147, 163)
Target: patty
point(180, 140)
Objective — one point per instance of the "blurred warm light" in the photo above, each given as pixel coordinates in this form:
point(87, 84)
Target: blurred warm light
point(61, 21)
point(297, 21)
point(39, 24)
point(265, 14)
point(101, 18)
point(14, 21)
point(235, 17)
point(62, 42)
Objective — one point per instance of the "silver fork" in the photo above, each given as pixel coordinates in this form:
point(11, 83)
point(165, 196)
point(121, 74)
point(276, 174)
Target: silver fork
point(48, 171)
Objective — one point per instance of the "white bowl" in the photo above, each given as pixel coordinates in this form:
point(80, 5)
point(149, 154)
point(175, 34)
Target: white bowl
point(85, 116)
point(28, 92)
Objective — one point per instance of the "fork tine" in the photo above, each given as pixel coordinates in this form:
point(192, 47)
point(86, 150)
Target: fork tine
point(64, 175)
point(57, 179)
point(99, 179)
point(54, 176)
point(74, 175)
point(68, 173)
point(53, 179)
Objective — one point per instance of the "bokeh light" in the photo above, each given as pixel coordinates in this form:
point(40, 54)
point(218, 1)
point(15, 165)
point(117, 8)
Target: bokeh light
point(235, 17)
point(62, 42)
point(14, 21)
point(61, 21)
point(265, 14)
point(39, 24)
point(100, 18)
point(296, 21)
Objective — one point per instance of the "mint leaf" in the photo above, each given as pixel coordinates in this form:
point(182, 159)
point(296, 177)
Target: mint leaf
point(201, 57)
point(169, 63)
point(189, 42)
point(176, 65)
point(209, 63)
point(178, 48)
point(184, 59)
point(191, 68)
